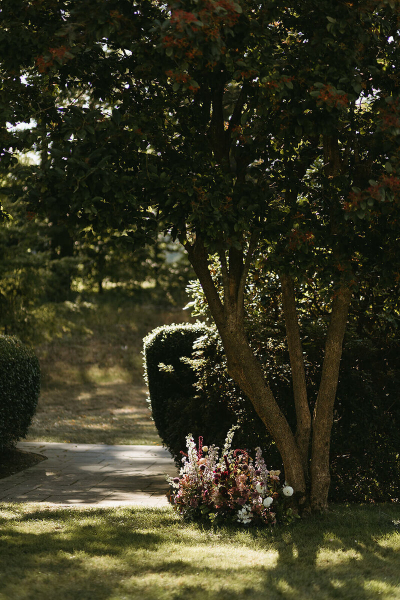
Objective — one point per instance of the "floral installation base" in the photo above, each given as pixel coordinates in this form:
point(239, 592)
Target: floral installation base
point(231, 487)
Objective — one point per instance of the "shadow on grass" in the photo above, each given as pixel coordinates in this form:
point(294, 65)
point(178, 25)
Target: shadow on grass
point(151, 554)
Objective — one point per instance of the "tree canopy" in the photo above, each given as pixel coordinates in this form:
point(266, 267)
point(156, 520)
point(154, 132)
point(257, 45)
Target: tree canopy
point(264, 133)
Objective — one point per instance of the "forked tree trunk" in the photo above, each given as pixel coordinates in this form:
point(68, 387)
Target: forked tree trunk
point(243, 366)
point(245, 369)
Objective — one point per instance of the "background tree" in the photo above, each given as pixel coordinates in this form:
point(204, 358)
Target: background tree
point(254, 132)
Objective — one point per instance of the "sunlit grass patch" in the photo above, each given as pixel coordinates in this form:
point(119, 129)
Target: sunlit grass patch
point(350, 553)
point(93, 389)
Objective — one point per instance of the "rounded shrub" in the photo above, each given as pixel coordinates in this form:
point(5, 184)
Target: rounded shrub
point(177, 406)
point(19, 389)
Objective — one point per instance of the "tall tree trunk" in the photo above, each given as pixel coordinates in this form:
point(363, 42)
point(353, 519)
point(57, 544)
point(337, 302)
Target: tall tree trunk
point(303, 415)
point(246, 371)
point(323, 412)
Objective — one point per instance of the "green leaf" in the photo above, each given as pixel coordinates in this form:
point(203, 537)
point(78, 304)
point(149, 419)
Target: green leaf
point(176, 86)
point(331, 20)
point(169, 51)
point(388, 167)
point(116, 116)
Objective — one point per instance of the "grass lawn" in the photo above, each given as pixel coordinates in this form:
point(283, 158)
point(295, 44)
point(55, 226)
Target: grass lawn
point(351, 553)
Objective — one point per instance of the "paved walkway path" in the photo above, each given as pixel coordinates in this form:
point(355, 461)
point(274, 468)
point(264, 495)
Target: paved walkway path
point(92, 475)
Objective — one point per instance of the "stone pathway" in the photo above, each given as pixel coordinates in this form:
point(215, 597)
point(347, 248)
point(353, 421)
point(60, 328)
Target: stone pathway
point(92, 475)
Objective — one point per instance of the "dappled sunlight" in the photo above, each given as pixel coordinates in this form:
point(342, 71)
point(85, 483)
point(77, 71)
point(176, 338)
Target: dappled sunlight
point(151, 555)
point(93, 389)
point(109, 413)
point(336, 557)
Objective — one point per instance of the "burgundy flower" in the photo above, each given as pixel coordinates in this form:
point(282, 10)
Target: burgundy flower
point(241, 501)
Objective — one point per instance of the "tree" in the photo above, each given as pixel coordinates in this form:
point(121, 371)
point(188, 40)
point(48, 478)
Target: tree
point(265, 134)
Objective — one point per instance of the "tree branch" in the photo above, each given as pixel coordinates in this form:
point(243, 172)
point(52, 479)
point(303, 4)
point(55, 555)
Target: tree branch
point(323, 411)
point(237, 111)
point(224, 271)
point(303, 415)
point(254, 238)
point(199, 260)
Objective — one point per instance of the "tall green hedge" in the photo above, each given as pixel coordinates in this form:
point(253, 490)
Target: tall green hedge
point(19, 389)
point(177, 406)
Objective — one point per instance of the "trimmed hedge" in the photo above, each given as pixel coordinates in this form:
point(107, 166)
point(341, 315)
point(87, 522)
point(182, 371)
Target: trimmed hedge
point(177, 406)
point(19, 390)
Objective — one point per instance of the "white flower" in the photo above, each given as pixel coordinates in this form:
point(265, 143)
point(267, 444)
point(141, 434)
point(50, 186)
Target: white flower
point(244, 515)
point(205, 448)
point(259, 488)
point(287, 490)
point(268, 501)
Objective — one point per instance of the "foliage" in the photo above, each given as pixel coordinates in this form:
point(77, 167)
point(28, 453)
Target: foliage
point(228, 487)
point(258, 131)
point(365, 449)
point(110, 260)
point(24, 266)
point(45, 269)
point(175, 403)
point(19, 389)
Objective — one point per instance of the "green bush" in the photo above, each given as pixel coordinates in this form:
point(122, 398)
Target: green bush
point(190, 391)
point(177, 406)
point(365, 449)
point(19, 389)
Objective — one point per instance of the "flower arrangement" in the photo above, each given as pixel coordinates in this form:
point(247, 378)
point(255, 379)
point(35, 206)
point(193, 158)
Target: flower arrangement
point(232, 487)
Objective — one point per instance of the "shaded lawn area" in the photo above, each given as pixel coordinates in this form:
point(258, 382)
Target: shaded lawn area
point(150, 554)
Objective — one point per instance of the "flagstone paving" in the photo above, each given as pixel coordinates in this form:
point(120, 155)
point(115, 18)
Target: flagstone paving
point(92, 475)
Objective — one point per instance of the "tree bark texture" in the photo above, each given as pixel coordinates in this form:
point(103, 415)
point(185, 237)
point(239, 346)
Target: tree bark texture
point(323, 412)
point(303, 414)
